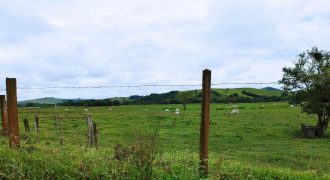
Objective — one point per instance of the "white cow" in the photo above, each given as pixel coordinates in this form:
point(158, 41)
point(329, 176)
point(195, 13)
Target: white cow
point(86, 110)
point(167, 110)
point(177, 111)
point(234, 111)
point(110, 109)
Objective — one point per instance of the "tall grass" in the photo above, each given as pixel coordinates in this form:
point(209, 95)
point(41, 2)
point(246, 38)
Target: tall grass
point(256, 144)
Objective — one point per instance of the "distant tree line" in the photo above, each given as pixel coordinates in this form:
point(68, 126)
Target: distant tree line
point(176, 97)
point(91, 102)
point(33, 104)
point(173, 97)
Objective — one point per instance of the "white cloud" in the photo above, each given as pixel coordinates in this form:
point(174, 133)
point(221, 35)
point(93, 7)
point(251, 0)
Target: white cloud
point(82, 42)
point(12, 55)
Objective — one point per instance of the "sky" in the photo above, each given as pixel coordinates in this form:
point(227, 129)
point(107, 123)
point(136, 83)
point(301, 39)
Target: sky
point(127, 42)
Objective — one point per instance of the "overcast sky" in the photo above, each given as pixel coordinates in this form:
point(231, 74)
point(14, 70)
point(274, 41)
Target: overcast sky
point(133, 42)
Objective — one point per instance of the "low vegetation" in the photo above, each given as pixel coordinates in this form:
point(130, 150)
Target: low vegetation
point(261, 142)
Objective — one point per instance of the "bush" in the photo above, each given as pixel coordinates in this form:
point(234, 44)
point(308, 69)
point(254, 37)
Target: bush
point(140, 153)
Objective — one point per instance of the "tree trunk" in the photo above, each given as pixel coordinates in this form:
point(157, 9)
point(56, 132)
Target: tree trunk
point(321, 127)
point(184, 106)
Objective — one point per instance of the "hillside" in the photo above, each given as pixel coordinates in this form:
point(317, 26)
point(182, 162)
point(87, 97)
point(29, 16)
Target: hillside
point(46, 100)
point(218, 96)
point(174, 97)
point(261, 92)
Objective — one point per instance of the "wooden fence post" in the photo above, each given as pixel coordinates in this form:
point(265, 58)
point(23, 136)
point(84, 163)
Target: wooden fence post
point(95, 135)
point(12, 113)
point(90, 134)
point(36, 123)
point(26, 125)
point(4, 117)
point(204, 129)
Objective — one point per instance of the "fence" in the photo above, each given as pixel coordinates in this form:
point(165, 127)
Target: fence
point(10, 123)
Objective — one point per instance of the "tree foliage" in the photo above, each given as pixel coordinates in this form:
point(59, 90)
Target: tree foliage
point(309, 84)
point(185, 97)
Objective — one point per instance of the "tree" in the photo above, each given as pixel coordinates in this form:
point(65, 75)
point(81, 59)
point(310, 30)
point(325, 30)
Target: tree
point(115, 103)
point(185, 97)
point(308, 83)
point(30, 104)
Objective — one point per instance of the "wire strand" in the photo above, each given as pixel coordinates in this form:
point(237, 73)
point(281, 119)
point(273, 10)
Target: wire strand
point(139, 86)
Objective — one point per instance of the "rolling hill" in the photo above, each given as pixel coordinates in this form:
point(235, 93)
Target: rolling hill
point(46, 100)
point(218, 95)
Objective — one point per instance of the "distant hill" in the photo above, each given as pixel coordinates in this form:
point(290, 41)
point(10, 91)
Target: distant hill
point(261, 92)
point(46, 100)
point(271, 88)
point(228, 95)
point(218, 95)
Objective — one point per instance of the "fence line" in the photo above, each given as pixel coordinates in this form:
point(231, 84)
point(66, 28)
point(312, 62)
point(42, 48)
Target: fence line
point(144, 85)
point(213, 115)
point(205, 114)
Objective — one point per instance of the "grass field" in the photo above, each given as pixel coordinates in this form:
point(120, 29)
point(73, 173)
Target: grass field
point(262, 142)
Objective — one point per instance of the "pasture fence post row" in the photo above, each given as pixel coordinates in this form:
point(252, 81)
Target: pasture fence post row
point(36, 123)
point(12, 113)
point(91, 134)
point(204, 126)
point(4, 117)
point(26, 125)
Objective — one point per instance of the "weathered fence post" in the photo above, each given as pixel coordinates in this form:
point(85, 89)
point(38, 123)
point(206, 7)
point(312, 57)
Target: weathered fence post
point(95, 135)
point(204, 129)
point(4, 117)
point(90, 134)
point(26, 125)
point(36, 123)
point(13, 127)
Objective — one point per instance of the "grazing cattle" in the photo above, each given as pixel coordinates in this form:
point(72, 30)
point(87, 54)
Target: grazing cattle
point(146, 109)
point(86, 110)
point(110, 109)
point(66, 109)
point(234, 111)
point(177, 111)
point(167, 110)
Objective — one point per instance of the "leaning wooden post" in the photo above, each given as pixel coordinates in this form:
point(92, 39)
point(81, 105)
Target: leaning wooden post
point(26, 125)
point(4, 117)
point(95, 135)
point(13, 127)
point(204, 129)
point(36, 123)
point(90, 130)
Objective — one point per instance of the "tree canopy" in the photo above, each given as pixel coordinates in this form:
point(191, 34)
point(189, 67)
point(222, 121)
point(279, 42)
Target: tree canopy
point(308, 81)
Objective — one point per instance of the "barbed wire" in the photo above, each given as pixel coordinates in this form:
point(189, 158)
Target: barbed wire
point(139, 86)
point(214, 113)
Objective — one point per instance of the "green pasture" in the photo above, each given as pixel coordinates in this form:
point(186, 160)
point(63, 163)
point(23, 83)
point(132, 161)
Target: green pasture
point(262, 142)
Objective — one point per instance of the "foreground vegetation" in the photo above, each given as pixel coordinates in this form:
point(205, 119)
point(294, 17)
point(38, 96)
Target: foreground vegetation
point(261, 142)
